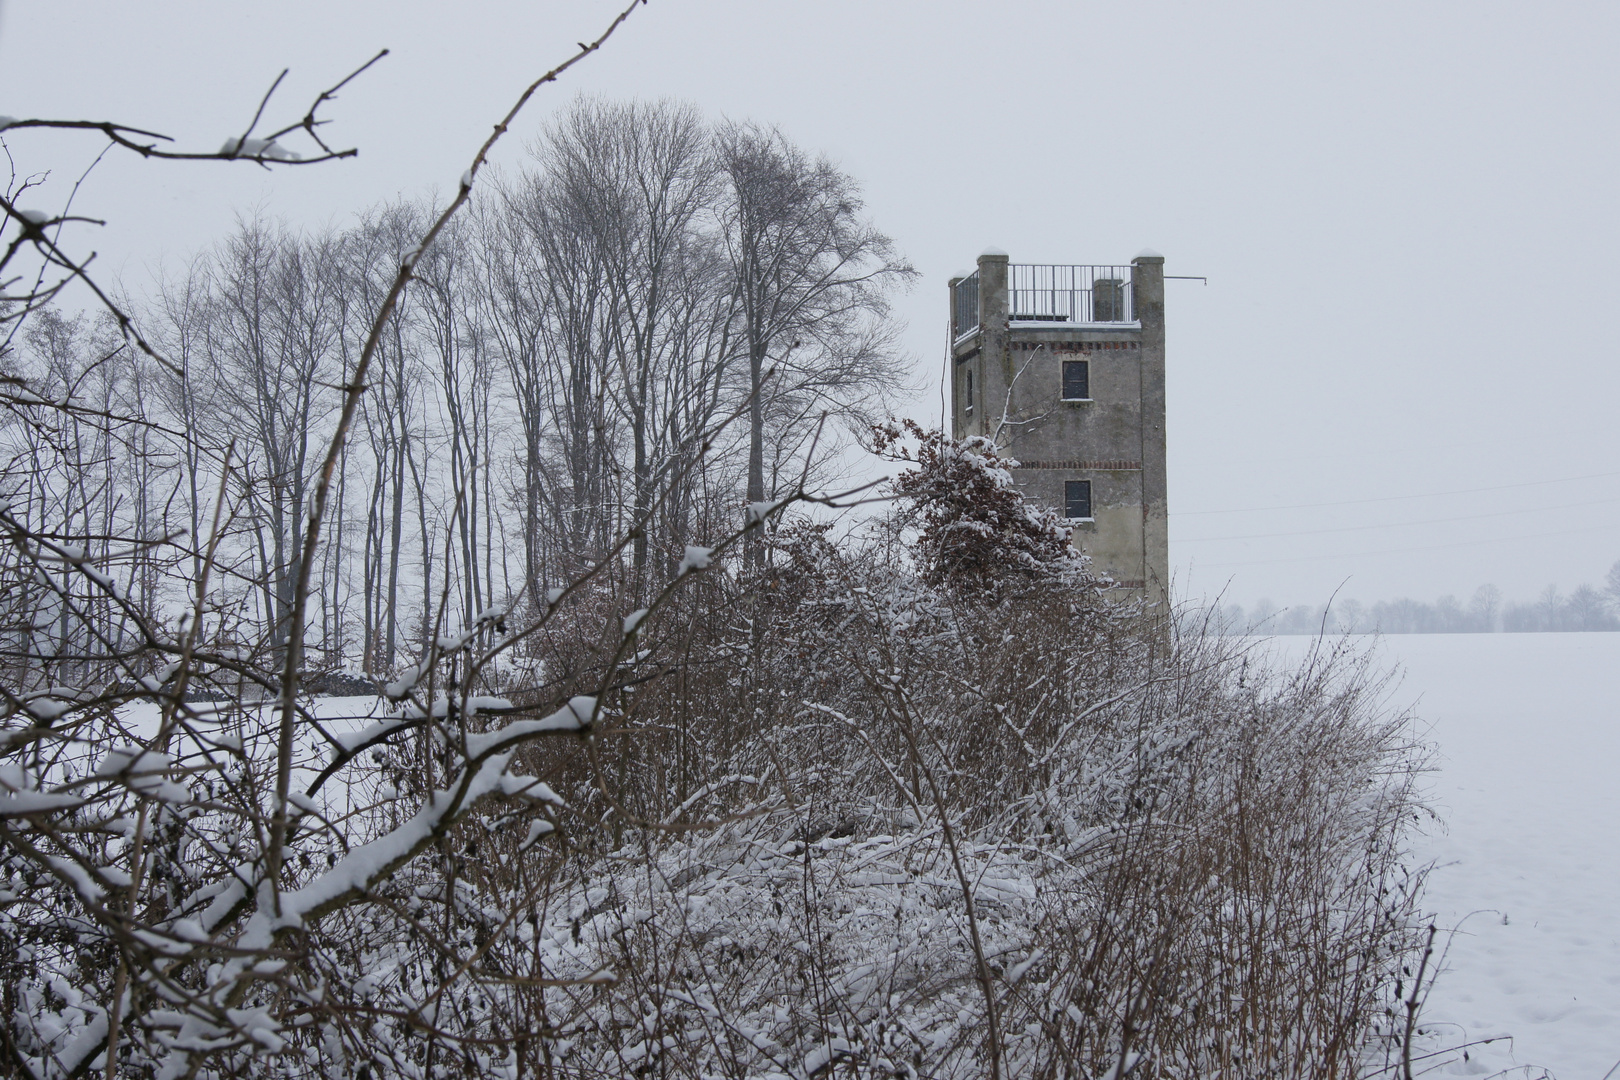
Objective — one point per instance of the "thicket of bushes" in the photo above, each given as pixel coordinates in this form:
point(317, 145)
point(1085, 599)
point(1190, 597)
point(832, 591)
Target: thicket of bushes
point(919, 801)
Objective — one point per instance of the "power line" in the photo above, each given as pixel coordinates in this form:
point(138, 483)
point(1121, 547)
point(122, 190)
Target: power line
point(1403, 551)
point(1397, 498)
point(1397, 524)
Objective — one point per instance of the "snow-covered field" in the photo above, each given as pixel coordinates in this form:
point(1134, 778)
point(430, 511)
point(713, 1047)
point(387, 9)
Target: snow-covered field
point(1528, 727)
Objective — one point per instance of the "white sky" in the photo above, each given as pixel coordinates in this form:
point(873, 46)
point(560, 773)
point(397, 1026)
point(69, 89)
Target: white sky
point(1407, 211)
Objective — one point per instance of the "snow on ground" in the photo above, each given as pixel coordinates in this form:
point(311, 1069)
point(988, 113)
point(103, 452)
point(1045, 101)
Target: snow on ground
point(1528, 727)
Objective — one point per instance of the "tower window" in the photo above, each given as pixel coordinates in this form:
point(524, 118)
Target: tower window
point(969, 389)
point(1077, 499)
point(1076, 380)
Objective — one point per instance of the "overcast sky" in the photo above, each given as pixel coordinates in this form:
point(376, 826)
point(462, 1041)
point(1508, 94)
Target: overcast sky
point(1402, 376)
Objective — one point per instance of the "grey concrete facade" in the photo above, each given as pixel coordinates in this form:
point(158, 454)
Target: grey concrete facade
point(1007, 383)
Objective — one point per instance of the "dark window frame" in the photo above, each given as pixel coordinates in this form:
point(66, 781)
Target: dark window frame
point(1083, 381)
point(968, 382)
point(1077, 496)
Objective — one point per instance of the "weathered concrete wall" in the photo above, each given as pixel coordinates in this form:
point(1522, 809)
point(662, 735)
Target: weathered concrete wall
point(956, 376)
point(1147, 279)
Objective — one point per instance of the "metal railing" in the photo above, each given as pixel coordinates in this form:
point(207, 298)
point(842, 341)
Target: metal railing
point(1075, 294)
point(965, 306)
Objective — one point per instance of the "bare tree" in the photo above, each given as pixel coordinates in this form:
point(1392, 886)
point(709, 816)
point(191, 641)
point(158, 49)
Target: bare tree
point(636, 179)
point(812, 279)
point(392, 417)
point(271, 359)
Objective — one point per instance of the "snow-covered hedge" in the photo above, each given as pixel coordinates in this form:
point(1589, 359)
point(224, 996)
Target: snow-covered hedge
point(876, 806)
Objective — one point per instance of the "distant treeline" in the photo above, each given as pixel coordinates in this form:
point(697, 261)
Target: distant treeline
point(1587, 608)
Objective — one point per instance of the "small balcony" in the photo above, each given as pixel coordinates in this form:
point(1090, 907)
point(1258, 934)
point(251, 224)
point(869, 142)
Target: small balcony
point(1073, 295)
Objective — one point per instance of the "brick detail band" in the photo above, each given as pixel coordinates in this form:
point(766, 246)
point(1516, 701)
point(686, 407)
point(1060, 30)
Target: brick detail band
point(1074, 346)
point(1094, 466)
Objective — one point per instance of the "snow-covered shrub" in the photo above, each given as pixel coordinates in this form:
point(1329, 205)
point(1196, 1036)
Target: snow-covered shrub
point(973, 526)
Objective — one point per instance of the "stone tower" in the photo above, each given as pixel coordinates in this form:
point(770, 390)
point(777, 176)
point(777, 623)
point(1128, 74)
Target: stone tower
point(1064, 367)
